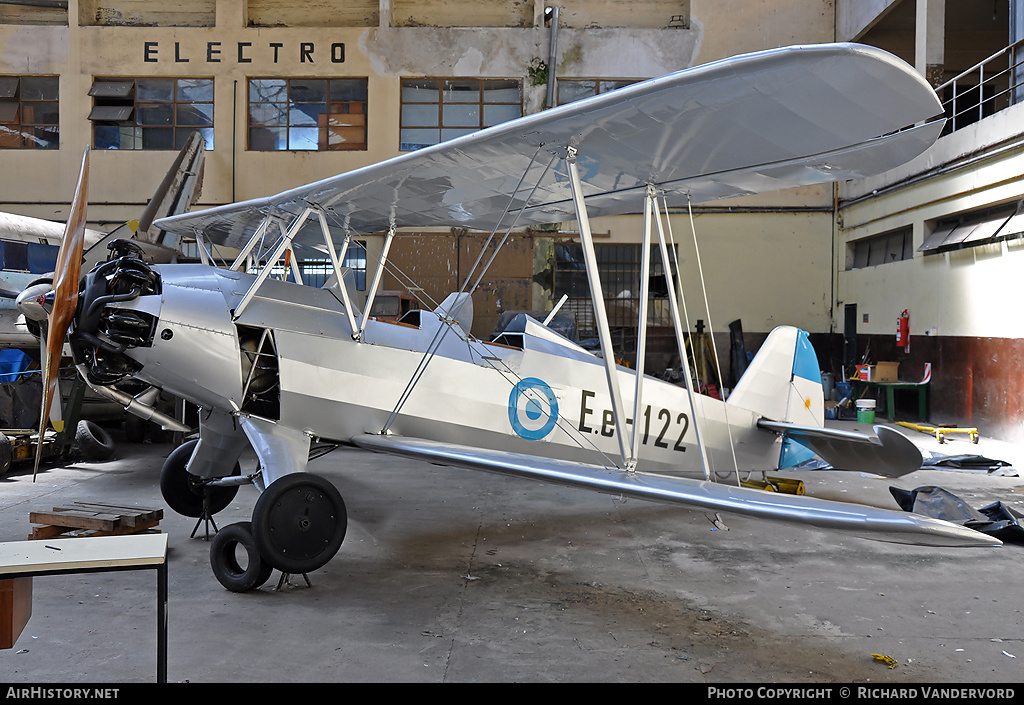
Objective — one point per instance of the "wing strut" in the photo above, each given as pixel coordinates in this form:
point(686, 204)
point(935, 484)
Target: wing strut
point(641, 331)
point(286, 243)
point(256, 238)
point(677, 325)
point(376, 283)
point(336, 260)
point(597, 298)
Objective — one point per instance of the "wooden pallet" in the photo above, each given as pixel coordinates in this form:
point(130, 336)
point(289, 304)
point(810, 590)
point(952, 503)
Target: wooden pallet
point(94, 519)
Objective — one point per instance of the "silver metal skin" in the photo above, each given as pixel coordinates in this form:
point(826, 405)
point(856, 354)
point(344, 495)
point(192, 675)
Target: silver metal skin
point(868, 522)
point(747, 124)
point(275, 365)
point(140, 405)
point(335, 388)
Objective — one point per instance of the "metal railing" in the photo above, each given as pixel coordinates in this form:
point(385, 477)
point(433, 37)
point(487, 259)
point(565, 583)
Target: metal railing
point(989, 86)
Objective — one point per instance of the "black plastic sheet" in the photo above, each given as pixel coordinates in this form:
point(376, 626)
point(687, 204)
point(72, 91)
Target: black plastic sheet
point(995, 519)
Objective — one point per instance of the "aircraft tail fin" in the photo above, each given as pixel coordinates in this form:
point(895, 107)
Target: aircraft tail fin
point(783, 381)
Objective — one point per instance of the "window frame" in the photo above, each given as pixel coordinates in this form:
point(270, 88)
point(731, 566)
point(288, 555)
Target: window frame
point(601, 87)
point(45, 133)
point(896, 245)
point(619, 268)
point(118, 105)
point(450, 120)
point(339, 123)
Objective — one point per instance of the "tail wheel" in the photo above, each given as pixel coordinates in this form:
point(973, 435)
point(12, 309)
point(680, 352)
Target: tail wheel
point(299, 522)
point(184, 492)
point(233, 570)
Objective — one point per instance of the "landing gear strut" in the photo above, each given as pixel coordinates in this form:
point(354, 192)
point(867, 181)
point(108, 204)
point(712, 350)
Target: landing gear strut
point(188, 494)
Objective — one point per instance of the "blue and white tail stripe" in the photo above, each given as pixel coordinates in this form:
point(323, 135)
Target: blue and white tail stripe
point(783, 383)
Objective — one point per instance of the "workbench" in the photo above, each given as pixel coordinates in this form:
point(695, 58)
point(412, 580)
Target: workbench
point(20, 561)
point(891, 388)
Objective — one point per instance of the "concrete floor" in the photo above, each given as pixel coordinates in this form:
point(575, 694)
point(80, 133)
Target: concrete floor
point(450, 575)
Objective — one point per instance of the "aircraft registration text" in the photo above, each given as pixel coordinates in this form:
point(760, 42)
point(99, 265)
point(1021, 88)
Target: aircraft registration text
point(661, 427)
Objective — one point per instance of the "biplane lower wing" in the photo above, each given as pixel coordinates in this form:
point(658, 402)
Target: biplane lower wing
point(869, 522)
point(888, 453)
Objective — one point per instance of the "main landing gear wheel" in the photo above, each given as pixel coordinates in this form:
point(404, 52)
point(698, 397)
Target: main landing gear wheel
point(186, 493)
point(224, 559)
point(299, 523)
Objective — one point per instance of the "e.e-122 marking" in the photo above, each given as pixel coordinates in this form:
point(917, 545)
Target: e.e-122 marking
point(665, 423)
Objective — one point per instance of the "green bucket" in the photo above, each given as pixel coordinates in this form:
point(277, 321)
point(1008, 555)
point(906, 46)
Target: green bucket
point(865, 410)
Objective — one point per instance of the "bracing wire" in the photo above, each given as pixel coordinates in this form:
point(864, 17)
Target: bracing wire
point(714, 347)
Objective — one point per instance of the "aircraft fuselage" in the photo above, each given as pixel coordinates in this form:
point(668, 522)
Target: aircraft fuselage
point(546, 397)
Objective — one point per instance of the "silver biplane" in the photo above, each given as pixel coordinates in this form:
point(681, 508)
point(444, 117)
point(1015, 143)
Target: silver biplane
point(277, 366)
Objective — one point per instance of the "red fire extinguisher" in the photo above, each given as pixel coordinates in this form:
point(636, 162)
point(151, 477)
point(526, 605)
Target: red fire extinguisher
point(903, 331)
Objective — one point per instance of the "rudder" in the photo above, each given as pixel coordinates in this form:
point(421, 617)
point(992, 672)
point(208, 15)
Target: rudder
point(783, 381)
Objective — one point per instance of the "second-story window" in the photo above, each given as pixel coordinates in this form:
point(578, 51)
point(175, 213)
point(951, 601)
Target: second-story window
point(435, 110)
point(29, 115)
point(150, 113)
point(307, 114)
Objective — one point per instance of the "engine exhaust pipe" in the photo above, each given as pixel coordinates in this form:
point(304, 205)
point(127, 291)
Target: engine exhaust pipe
point(139, 406)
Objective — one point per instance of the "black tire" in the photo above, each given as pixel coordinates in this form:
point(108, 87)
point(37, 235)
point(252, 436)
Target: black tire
point(184, 491)
point(95, 443)
point(299, 522)
point(224, 559)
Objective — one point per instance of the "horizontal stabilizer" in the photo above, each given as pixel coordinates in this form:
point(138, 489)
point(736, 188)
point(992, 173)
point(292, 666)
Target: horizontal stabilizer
point(869, 522)
point(888, 453)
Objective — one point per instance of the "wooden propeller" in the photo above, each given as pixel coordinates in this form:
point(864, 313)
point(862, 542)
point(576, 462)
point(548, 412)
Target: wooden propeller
point(66, 277)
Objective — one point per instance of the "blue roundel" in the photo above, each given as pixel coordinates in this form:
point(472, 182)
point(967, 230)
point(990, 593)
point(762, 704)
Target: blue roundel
point(532, 409)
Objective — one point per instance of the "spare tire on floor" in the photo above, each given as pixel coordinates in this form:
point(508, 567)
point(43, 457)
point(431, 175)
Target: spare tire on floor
point(95, 443)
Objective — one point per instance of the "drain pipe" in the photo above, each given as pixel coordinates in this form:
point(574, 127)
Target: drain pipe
point(552, 57)
point(140, 406)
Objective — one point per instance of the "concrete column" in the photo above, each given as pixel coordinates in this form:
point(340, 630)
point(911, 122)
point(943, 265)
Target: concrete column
point(231, 13)
point(929, 40)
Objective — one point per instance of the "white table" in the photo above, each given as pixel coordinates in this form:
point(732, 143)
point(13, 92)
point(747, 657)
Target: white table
point(99, 554)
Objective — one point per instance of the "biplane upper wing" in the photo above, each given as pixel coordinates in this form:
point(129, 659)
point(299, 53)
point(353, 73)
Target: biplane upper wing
point(752, 123)
point(868, 522)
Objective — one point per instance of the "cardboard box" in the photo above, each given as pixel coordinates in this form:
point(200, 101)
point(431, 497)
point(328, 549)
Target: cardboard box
point(885, 372)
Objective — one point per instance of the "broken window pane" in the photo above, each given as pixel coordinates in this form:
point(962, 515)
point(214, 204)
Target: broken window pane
point(305, 114)
point(150, 113)
point(29, 112)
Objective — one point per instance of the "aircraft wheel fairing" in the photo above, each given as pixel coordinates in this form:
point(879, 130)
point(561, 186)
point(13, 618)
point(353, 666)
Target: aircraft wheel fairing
point(299, 522)
point(224, 560)
point(184, 492)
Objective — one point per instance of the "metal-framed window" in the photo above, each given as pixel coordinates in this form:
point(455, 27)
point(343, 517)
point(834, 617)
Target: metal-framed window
point(619, 269)
point(435, 110)
point(572, 89)
point(150, 113)
point(975, 228)
point(29, 112)
point(307, 114)
point(893, 246)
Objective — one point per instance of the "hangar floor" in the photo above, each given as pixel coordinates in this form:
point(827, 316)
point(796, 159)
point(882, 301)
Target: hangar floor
point(450, 575)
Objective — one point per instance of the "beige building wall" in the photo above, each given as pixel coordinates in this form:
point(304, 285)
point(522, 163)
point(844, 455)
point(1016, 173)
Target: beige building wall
point(764, 263)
